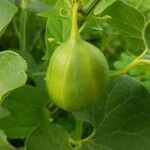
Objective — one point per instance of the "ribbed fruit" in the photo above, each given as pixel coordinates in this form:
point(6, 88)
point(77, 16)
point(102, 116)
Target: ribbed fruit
point(77, 74)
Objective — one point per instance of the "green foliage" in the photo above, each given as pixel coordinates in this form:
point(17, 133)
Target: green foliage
point(25, 113)
point(12, 70)
point(125, 19)
point(102, 5)
point(57, 27)
point(29, 35)
point(117, 119)
point(47, 136)
point(7, 10)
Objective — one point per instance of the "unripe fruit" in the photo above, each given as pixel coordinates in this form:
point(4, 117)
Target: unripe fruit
point(77, 73)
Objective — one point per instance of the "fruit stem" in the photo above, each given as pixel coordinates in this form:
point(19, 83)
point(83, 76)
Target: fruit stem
point(74, 28)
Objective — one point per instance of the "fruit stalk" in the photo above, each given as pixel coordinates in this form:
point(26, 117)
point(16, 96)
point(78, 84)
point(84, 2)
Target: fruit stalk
point(78, 70)
point(74, 28)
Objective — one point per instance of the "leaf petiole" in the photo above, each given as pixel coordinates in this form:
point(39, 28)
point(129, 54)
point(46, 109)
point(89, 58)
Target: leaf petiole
point(78, 142)
point(138, 60)
point(23, 25)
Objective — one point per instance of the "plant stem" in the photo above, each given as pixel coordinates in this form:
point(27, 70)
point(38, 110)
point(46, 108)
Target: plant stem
point(16, 28)
point(138, 60)
point(23, 26)
point(144, 61)
point(76, 142)
point(82, 27)
point(124, 70)
point(78, 129)
point(74, 28)
point(89, 7)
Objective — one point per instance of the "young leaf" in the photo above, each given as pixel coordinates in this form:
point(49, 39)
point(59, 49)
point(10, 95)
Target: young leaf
point(7, 11)
point(48, 137)
point(26, 105)
point(12, 71)
point(58, 26)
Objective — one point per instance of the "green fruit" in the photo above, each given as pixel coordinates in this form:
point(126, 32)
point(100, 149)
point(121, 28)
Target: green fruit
point(77, 73)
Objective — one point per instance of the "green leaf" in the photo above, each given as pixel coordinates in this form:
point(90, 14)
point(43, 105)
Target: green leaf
point(48, 137)
point(93, 24)
point(12, 71)
point(7, 11)
point(145, 4)
point(58, 26)
point(140, 5)
point(129, 21)
point(123, 106)
point(27, 106)
point(102, 5)
point(125, 117)
point(134, 45)
point(146, 35)
point(38, 6)
point(4, 145)
point(125, 18)
point(93, 146)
